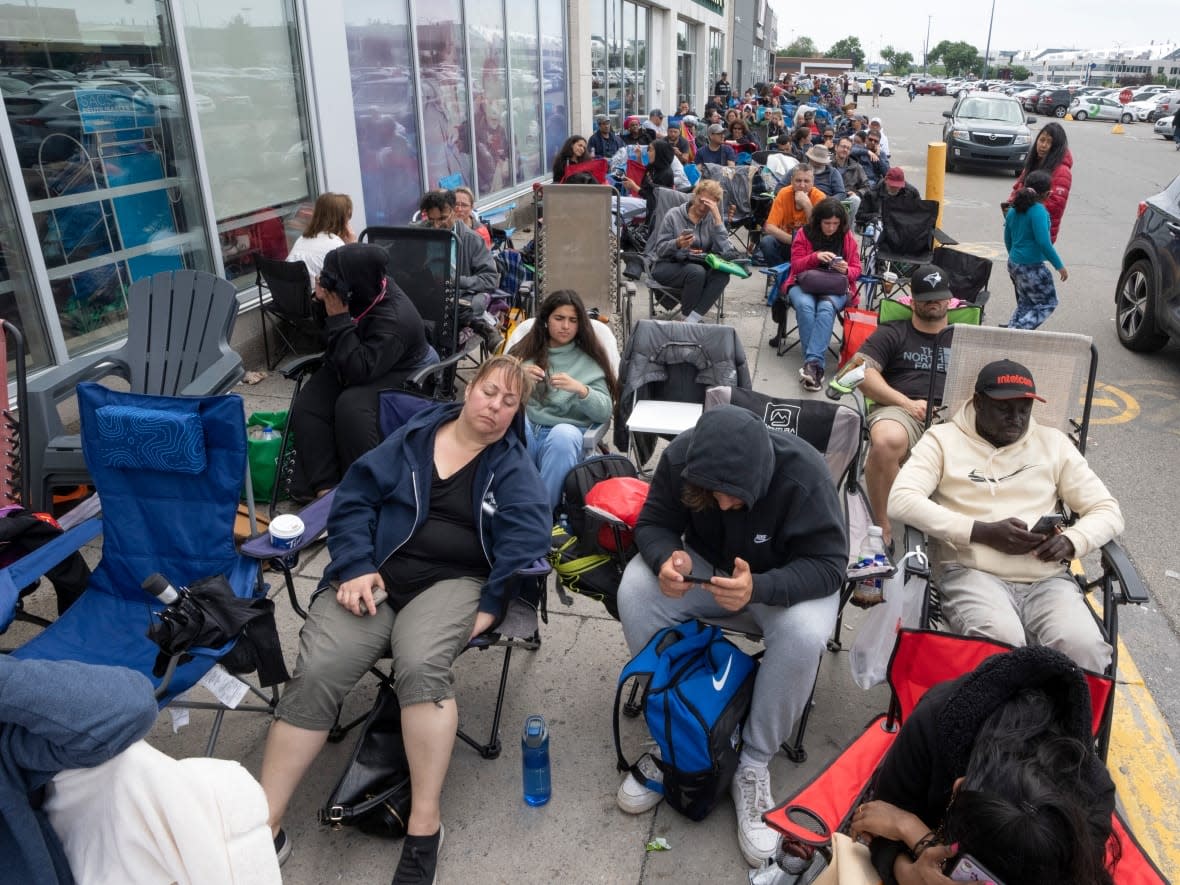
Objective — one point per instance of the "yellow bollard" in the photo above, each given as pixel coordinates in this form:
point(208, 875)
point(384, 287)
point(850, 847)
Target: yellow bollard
point(1068, 116)
point(936, 174)
point(1116, 129)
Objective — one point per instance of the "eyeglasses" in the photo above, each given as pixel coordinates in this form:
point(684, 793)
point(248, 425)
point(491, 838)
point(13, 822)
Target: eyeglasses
point(439, 221)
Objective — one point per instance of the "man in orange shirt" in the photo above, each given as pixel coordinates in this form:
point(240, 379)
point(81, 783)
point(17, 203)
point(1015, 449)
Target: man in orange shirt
point(789, 212)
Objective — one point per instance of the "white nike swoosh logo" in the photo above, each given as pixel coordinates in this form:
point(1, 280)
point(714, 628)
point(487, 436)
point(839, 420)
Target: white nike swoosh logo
point(719, 684)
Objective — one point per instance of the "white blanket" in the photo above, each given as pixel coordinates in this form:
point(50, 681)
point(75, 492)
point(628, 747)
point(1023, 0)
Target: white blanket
point(147, 818)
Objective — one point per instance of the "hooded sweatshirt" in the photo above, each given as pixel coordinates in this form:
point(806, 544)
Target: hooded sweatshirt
point(955, 477)
point(790, 529)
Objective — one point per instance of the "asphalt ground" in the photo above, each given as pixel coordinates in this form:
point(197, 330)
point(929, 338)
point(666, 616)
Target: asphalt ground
point(581, 836)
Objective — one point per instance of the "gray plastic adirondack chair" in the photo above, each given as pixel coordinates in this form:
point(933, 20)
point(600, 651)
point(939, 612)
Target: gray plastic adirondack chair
point(178, 329)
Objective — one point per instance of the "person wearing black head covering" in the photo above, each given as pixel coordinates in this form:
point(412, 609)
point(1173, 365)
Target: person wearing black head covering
point(659, 173)
point(752, 515)
point(374, 339)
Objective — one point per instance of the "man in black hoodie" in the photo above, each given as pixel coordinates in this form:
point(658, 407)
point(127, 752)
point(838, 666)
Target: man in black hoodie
point(757, 511)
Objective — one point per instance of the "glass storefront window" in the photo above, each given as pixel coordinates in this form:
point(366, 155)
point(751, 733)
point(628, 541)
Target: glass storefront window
point(489, 94)
point(554, 75)
point(599, 62)
point(249, 97)
point(716, 57)
point(381, 66)
point(90, 89)
point(18, 303)
point(525, 64)
point(442, 75)
point(638, 69)
point(686, 44)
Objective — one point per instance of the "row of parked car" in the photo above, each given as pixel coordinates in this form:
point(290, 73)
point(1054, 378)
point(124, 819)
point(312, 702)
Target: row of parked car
point(1147, 104)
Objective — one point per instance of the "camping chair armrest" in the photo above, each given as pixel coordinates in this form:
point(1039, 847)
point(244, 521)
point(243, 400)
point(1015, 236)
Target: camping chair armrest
point(57, 384)
point(416, 380)
point(913, 540)
point(315, 523)
point(1116, 560)
point(942, 238)
point(219, 377)
point(304, 365)
point(519, 622)
point(32, 566)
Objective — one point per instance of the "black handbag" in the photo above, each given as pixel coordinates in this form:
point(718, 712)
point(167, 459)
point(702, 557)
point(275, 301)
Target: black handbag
point(373, 793)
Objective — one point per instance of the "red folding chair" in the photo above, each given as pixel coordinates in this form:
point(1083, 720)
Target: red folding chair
point(922, 659)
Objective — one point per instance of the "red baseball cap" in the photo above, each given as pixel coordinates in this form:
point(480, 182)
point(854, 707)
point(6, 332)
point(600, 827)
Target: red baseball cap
point(895, 176)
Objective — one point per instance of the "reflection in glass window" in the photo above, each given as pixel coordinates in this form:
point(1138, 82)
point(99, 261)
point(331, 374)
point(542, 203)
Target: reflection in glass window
point(248, 83)
point(525, 62)
point(489, 94)
point(553, 75)
point(104, 152)
point(446, 129)
point(18, 303)
point(599, 62)
point(381, 65)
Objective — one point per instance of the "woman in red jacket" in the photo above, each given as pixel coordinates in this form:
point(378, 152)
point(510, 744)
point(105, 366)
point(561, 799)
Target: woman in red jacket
point(825, 265)
point(1050, 153)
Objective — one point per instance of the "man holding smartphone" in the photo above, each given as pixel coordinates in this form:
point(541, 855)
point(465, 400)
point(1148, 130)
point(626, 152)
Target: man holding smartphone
point(745, 525)
point(974, 485)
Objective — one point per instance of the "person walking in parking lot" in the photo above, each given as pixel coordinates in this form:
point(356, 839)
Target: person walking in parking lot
point(1176, 129)
point(1050, 154)
point(1026, 236)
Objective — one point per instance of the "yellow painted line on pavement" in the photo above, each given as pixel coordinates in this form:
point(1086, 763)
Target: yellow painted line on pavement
point(1145, 767)
point(1124, 406)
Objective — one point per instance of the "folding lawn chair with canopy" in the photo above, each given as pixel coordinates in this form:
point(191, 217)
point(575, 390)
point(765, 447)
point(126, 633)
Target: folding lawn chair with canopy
point(922, 659)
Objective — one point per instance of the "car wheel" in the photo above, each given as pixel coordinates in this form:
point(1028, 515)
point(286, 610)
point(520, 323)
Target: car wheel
point(950, 164)
point(1134, 309)
point(1126, 118)
point(1080, 115)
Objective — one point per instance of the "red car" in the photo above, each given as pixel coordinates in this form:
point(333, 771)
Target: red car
point(932, 87)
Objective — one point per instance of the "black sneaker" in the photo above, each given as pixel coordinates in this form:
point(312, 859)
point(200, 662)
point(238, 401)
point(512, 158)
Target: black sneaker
point(282, 847)
point(419, 859)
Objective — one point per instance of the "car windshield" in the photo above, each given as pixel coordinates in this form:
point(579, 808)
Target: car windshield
point(1000, 111)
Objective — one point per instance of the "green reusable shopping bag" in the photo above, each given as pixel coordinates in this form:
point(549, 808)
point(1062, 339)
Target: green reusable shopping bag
point(263, 452)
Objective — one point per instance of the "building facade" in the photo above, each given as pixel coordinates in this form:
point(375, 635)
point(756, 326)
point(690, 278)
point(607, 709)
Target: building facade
point(148, 135)
point(755, 32)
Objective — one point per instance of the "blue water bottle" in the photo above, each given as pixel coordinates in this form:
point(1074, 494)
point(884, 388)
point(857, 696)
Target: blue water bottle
point(534, 758)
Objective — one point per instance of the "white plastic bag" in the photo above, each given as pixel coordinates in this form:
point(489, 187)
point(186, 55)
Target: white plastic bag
point(877, 633)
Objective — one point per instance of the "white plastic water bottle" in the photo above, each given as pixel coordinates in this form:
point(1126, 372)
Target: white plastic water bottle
point(268, 432)
point(872, 553)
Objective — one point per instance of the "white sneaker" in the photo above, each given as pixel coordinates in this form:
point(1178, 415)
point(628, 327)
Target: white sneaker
point(634, 797)
point(751, 797)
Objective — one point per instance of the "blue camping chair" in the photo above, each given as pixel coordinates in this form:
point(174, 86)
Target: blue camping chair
point(169, 471)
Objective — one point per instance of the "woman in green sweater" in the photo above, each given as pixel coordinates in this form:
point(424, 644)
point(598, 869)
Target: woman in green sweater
point(574, 386)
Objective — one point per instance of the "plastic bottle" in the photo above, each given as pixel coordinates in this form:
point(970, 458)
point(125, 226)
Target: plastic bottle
point(268, 432)
point(872, 553)
point(870, 231)
point(534, 757)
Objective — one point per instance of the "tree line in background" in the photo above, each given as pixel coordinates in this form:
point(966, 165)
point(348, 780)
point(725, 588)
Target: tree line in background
point(955, 58)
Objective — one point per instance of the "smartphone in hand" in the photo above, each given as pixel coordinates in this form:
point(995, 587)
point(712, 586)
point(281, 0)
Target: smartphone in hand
point(968, 869)
point(1048, 524)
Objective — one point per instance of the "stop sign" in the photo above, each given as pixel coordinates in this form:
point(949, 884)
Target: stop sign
point(1125, 96)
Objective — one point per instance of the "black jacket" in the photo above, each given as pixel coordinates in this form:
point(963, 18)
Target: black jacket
point(935, 743)
point(388, 338)
point(791, 530)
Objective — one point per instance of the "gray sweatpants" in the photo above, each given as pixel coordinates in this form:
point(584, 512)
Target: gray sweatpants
point(795, 637)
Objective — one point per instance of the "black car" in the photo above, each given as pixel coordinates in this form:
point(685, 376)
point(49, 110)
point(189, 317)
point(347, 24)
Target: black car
point(986, 129)
point(1147, 300)
point(1054, 102)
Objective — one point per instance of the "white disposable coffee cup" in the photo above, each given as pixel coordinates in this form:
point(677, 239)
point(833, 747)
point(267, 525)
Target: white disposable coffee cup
point(286, 531)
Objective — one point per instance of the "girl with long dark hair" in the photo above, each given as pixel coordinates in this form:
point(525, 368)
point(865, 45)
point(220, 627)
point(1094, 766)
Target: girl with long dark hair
point(574, 385)
point(1050, 153)
point(825, 243)
point(1029, 244)
point(573, 151)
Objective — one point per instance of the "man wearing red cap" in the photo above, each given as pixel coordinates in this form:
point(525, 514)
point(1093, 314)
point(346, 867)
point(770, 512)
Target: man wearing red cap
point(892, 186)
point(975, 485)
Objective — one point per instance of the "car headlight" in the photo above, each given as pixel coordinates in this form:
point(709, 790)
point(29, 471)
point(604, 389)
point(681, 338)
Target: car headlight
point(1022, 139)
point(961, 134)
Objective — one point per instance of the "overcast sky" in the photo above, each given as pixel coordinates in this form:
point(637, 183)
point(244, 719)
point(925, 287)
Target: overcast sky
point(1019, 24)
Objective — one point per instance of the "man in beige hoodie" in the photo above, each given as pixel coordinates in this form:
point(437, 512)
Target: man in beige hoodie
point(975, 486)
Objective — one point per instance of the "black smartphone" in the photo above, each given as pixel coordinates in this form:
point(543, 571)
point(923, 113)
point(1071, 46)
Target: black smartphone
point(699, 579)
point(1048, 524)
point(967, 869)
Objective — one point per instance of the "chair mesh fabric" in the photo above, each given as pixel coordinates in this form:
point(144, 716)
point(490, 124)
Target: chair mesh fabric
point(1059, 363)
point(577, 247)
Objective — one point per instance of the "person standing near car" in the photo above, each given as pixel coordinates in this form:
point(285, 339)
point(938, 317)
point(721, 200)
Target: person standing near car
point(1176, 129)
point(1050, 153)
point(1026, 236)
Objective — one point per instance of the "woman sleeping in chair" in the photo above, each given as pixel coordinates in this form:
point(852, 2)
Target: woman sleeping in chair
point(419, 568)
point(1007, 751)
point(573, 386)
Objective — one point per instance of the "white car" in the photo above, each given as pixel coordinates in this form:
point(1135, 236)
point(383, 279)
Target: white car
point(1163, 128)
point(1142, 108)
point(1090, 107)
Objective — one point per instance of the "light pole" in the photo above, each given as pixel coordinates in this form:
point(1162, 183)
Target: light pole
point(926, 47)
point(988, 49)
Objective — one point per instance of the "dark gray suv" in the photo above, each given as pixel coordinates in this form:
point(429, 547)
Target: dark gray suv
point(1147, 299)
point(987, 129)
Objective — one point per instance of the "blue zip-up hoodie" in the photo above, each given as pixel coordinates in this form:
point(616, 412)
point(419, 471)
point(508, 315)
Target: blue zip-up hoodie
point(57, 715)
point(385, 495)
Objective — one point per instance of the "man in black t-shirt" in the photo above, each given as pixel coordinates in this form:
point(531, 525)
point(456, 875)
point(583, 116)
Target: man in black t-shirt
point(898, 358)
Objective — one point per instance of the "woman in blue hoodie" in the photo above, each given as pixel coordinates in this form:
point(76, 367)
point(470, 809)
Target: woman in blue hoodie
point(419, 567)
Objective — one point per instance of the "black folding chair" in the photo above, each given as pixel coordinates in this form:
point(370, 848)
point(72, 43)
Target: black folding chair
point(291, 310)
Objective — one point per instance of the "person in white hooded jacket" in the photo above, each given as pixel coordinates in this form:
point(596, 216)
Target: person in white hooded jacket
point(975, 486)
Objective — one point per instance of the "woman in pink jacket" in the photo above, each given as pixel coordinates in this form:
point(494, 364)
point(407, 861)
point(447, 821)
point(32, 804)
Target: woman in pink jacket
point(825, 265)
point(1050, 153)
